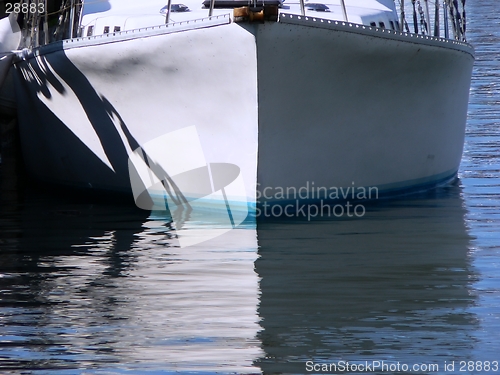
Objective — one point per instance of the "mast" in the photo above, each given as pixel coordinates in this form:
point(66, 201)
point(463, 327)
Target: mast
point(45, 23)
point(72, 18)
point(344, 10)
point(436, 19)
point(428, 25)
point(402, 14)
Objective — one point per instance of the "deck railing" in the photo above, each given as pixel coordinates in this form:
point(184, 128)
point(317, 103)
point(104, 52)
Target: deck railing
point(45, 21)
point(447, 14)
point(451, 11)
point(60, 19)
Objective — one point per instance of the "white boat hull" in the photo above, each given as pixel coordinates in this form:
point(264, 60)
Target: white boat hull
point(345, 106)
point(88, 108)
point(299, 103)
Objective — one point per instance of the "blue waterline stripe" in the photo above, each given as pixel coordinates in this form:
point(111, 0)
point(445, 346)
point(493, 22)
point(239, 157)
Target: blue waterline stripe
point(383, 191)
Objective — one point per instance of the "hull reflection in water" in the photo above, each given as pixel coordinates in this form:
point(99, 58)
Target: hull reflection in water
point(391, 286)
point(104, 287)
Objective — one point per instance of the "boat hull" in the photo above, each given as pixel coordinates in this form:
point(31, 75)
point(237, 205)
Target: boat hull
point(352, 106)
point(85, 109)
point(296, 104)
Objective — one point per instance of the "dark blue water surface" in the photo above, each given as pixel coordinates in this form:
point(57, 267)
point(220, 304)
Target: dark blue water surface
point(90, 285)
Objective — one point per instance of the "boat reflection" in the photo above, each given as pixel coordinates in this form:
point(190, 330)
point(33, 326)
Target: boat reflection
point(106, 286)
point(103, 285)
point(392, 286)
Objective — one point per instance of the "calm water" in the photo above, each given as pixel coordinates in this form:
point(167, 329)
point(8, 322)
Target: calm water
point(93, 286)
